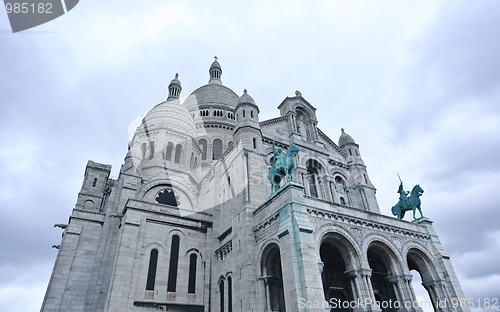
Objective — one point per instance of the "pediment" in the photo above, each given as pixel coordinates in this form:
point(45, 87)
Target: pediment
point(291, 104)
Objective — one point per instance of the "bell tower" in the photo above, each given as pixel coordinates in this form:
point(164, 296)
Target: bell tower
point(363, 190)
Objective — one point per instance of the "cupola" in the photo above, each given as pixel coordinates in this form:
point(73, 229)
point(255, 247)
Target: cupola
point(215, 72)
point(174, 88)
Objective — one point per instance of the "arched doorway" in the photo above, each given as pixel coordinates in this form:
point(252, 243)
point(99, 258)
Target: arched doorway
point(382, 264)
point(273, 278)
point(423, 274)
point(337, 286)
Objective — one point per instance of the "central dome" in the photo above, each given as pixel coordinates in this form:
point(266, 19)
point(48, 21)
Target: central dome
point(211, 94)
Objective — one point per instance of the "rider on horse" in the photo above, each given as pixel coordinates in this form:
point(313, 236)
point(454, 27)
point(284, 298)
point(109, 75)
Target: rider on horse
point(278, 154)
point(403, 196)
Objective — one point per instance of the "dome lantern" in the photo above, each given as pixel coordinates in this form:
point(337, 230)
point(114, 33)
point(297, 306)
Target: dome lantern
point(174, 88)
point(215, 72)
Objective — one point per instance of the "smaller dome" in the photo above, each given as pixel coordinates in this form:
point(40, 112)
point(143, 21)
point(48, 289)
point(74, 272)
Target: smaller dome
point(345, 139)
point(245, 98)
point(215, 64)
point(170, 115)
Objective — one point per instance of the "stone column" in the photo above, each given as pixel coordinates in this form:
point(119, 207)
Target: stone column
point(453, 289)
point(362, 292)
point(293, 124)
point(404, 292)
point(306, 184)
point(326, 189)
point(314, 130)
point(364, 286)
point(440, 298)
point(267, 292)
point(432, 294)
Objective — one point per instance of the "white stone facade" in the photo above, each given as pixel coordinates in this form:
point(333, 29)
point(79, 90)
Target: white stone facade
point(190, 223)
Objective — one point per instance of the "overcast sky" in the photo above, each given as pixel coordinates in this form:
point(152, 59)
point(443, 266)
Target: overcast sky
point(415, 83)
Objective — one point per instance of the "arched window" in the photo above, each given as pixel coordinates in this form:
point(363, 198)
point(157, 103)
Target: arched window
point(168, 153)
point(217, 149)
point(203, 146)
point(192, 274)
point(153, 260)
point(251, 114)
point(191, 161)
point(313, 170)
point(95, 182)
point(221, 291)
point(342, 201)
point(311, 180)
point(174, 262)
point(254, 143)
point(143, 150)
point(151, 149)
point(178, 152)
point(229, 294)
point(167, 197)
point(88, 204)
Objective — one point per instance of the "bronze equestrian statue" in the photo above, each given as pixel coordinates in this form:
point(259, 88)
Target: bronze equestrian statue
point(406, 203)
point(283, 166)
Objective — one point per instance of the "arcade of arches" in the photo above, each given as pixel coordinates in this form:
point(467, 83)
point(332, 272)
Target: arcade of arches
point(347, 274)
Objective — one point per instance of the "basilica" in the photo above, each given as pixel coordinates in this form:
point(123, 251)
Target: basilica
point(201, 218)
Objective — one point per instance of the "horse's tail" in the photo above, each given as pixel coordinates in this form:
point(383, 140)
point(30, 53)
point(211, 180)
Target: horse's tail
point(395, 209)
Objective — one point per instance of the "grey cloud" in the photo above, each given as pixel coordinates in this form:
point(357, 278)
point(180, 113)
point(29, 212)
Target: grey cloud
point(456, 61)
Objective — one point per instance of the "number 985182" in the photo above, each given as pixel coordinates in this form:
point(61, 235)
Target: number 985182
point(25, 8)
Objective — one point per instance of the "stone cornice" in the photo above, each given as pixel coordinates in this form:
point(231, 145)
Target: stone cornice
point(367, 224)
point(273, 121)
point(329, 141)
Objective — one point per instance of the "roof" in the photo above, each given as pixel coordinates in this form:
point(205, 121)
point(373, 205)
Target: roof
point(211, 94)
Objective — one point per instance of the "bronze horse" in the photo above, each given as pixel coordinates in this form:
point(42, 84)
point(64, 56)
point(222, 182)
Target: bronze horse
point(410, 203)
point(283, 167)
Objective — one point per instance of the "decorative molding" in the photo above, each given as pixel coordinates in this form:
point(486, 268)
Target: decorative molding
point(273, 121)
point(329, 141)
point(266, 228)
point(359, 222)
point(338, 164)
point(223, 251)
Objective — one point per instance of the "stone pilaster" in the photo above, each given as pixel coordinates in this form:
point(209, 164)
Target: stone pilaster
point(302, 283)
point(450, 287)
